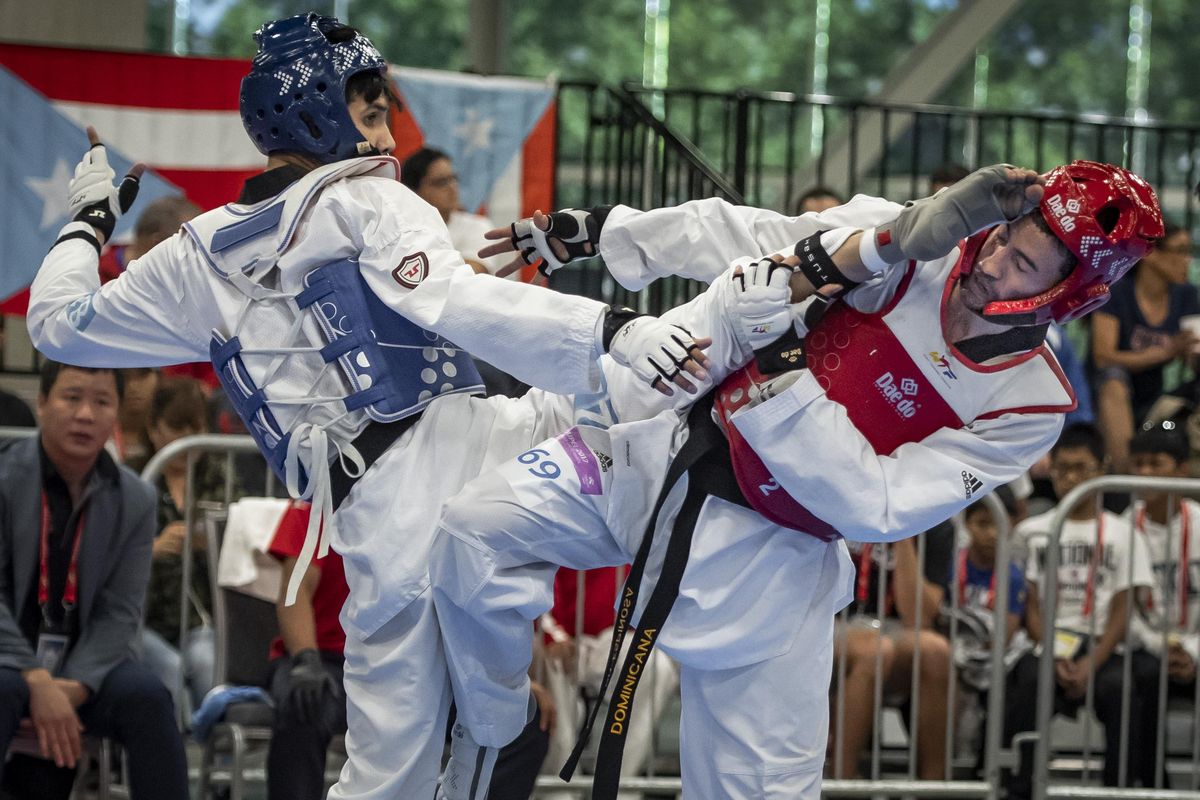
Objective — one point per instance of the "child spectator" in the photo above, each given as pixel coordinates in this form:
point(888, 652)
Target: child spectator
point(974, 602)
point(898, 634)
point(178, 408)
point(976, 582)
point(1170, 533)
point(1100, 561)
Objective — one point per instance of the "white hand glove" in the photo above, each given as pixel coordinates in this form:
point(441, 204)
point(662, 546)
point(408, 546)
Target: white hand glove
point(575, 230)
point(760, 311)
point(93, 180)
point(91, 195)
point(655, 350)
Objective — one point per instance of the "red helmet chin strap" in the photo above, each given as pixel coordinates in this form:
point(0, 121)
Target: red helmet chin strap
point(1039, 310)
point(969, 251)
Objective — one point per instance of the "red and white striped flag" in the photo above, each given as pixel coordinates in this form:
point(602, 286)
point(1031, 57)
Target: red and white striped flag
point(179, 115)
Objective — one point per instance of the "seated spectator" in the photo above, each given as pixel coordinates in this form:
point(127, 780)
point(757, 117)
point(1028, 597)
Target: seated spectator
point(158, 221)
point(976, 588)
point(130, 446)
point(69, 618)
point(1100, 562)
point(815, 199)
point(430, 174)
point(946, 175)
point(975, 595)
point(14, 412)
point(179, 409)
point(897, 635)
point(1075, 370)
point(1174, 605)
point(1136, 335)
point(306, 667)
point(308, 661)
point(575, 662)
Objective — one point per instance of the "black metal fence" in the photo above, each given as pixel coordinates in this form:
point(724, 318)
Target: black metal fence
point(772, 146)
point(647, 147)
point(612, 148)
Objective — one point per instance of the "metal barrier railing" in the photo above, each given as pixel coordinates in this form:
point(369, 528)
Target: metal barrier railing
point(880, 786)
point(996, 755)
point(647, 147)
point(191, 448)
point(1042, 788)
point(625, 154)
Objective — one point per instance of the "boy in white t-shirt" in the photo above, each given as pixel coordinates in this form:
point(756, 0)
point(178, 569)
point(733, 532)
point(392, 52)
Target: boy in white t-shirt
point(1100, 560)
point(1174, 606)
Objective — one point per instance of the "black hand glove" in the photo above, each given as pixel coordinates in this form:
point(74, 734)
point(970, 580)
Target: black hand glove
point(308, 683)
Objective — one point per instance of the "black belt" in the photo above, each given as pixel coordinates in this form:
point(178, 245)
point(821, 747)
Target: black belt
point(704, 457)
point(372, 443)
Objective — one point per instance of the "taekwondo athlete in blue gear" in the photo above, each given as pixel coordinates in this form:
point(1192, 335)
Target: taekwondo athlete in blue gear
point(329, 296)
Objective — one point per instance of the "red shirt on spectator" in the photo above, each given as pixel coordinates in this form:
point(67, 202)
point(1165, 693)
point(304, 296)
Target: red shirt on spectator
point(200, 370)
point(112, 262)
point(600, 598)
point(331, 591)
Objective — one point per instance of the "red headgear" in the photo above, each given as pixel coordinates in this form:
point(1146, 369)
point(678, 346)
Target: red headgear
point(1109, 219)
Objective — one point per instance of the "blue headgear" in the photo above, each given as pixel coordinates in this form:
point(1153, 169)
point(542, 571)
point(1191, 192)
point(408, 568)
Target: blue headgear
point(295, 95)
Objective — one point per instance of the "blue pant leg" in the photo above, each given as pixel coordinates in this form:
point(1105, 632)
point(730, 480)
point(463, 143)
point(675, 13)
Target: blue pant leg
point(134, 708)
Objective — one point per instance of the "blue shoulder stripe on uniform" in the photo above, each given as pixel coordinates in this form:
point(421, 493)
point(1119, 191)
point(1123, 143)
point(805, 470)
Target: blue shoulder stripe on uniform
point(248, 228)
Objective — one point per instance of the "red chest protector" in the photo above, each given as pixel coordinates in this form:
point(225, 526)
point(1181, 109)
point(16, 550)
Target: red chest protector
point(871, 374)
point(891, 371)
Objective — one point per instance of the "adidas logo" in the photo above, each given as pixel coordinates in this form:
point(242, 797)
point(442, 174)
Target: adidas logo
point(971, 484)
point(605, 462)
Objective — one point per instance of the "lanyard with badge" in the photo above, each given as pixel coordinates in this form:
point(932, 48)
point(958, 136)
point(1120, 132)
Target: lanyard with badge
point(1069, 643)
point(864, 579)
point(1097, 554)
point(53, 638)
point(1184, 557)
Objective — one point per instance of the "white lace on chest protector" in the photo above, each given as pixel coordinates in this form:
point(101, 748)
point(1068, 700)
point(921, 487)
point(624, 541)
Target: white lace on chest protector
point(307, 371)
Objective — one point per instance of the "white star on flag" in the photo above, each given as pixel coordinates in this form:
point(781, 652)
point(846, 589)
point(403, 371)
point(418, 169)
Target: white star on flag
point(53, 193)
point(475, 131)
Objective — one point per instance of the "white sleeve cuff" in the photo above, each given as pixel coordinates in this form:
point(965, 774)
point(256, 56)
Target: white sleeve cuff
point(869, 254)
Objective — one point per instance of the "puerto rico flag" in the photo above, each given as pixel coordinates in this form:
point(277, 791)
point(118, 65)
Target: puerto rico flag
point(179, 115)
point(498, 131)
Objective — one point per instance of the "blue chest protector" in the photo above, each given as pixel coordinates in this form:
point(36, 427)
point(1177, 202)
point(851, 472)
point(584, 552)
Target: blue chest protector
point(393, 367)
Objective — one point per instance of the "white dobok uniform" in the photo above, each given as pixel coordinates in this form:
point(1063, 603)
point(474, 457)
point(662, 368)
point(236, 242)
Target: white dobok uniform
point(164, 309)
point(752, 625)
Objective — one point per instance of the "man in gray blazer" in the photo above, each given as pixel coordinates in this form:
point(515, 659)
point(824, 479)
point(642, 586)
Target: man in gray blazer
point(75, 537)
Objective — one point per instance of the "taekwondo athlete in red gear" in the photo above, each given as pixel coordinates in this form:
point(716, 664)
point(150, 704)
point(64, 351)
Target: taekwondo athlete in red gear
point(926, 385)
point(336, 312)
